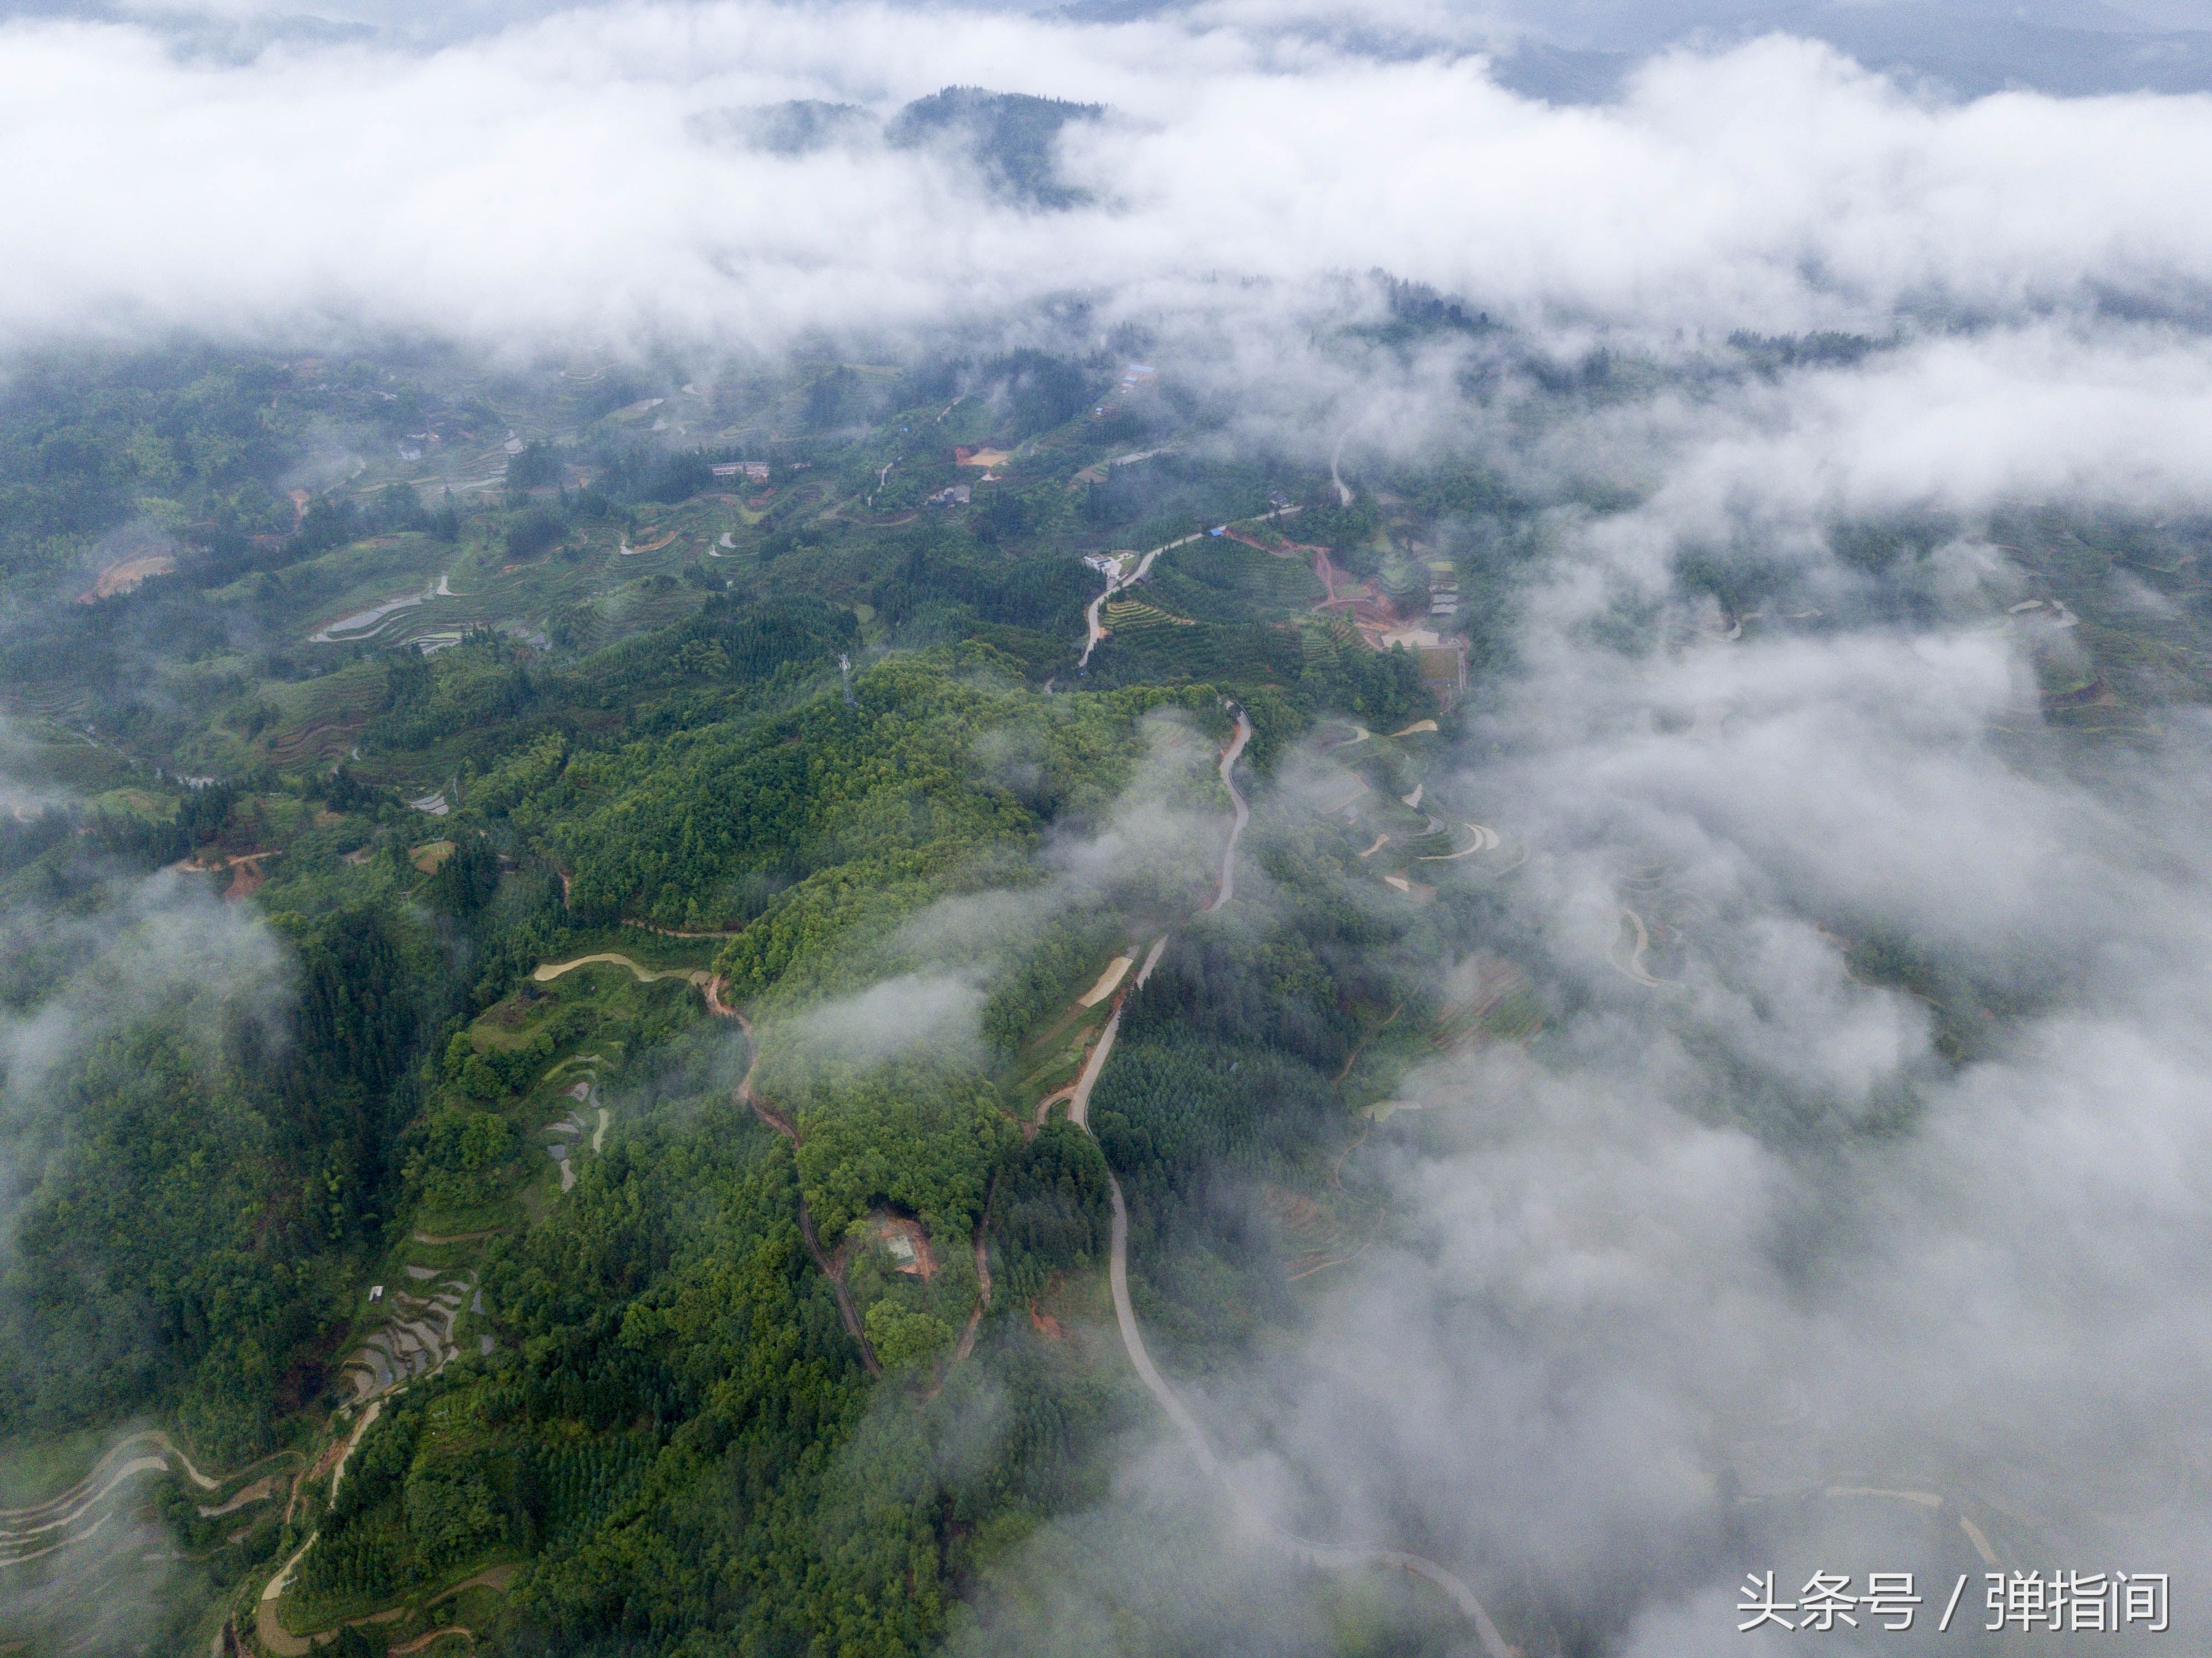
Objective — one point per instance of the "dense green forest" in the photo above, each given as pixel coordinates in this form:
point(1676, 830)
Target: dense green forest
point(547, 967)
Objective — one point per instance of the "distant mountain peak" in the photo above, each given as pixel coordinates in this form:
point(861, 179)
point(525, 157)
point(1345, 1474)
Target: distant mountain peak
point(1012, 136)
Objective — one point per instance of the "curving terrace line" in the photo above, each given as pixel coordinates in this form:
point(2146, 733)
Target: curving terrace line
point(1633, 968)
point(83, 1510)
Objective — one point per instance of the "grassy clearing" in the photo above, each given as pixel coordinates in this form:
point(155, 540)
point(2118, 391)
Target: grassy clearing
point(508, 1213)
point(431, 857)
point(136, 803)
point(1053, 1059)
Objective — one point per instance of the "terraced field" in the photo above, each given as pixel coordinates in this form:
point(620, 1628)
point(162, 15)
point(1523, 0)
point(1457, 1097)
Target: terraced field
point(60, 700)
point(418, 1341)
point(1216, 578)
point(1126, 616)
point(76, 1571)
point(1148, 642)
point(1500, 1007)
point(1327, 638)
point(323, 718)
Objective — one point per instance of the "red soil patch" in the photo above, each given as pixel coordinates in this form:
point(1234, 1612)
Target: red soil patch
point(889, 1228)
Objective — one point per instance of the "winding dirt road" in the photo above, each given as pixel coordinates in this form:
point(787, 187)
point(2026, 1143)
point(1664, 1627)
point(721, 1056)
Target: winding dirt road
point(269, 1628)
point(1326, 1557)
point(1344, 495)
point(1091, 616)
point(546, 972)
point(1078, 1102)
point(1078, 1095)
point(1229, 758)
point(1633, 967)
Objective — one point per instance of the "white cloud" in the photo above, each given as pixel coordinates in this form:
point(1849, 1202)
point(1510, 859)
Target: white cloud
point(539, 182)
point(1616, 1273)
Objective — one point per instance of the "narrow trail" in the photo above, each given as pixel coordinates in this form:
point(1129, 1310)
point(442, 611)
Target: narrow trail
point(1352, 1058)
point(967, 1342)
point(431, 1639)
point(983, 1290)
point(500, 1578)
point(831, 1269)
point(678, 932)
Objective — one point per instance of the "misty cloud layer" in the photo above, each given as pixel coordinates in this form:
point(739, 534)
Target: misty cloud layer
point(1720, 1244)
point(549, 187)
point(1729, 1264)
point(118, 954)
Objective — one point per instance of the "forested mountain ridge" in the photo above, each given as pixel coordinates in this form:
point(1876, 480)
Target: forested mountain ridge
point(576, 1031)
point(686, 1374)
